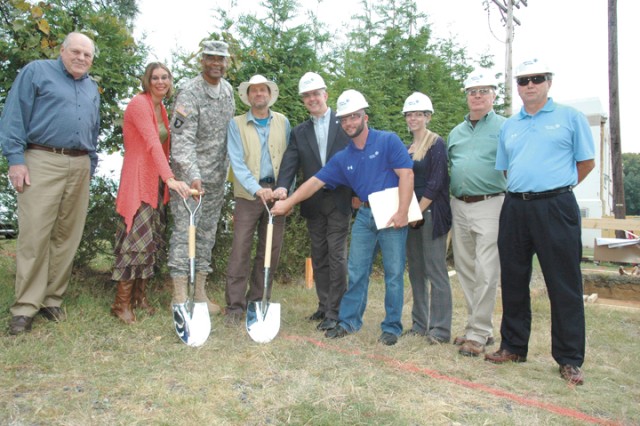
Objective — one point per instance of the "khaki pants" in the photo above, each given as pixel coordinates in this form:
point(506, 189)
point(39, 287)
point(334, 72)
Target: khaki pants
point(475, 251)
point(51, 216)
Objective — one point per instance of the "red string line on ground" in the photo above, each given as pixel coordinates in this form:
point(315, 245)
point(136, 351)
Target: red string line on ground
point(407, 366)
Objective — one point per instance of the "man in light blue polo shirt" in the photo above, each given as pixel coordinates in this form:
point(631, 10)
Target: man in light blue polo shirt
point(545, 150)
point(373, 161)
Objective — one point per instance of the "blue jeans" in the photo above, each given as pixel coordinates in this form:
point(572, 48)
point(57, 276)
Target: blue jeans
point(364, 239)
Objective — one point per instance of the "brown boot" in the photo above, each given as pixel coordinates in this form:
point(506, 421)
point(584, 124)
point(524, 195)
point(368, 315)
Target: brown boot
point(121, 307)
point(201, 294)
point(139, 300)
point(180, 284)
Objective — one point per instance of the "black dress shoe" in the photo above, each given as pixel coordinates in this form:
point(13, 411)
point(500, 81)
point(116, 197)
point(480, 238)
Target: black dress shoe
point(336, 333)
point(53, 313)
point(388, 339)
point(327, 324)
point(20, 324)
point(317, 316)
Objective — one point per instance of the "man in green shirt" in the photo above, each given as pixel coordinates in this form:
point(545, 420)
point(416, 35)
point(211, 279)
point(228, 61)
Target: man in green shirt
point(478, 192)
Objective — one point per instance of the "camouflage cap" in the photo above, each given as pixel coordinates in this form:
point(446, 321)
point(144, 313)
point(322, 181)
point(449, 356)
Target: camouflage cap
point(215, 47)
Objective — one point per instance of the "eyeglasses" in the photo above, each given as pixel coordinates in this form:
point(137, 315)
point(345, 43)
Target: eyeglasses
point(351, 117)
point(535, 79)
point(474, 92)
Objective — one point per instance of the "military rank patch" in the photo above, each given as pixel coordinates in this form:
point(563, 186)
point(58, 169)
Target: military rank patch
point(180, 117)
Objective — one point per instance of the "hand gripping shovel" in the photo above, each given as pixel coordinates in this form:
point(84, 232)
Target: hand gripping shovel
point(263, 317)
point(191, 319)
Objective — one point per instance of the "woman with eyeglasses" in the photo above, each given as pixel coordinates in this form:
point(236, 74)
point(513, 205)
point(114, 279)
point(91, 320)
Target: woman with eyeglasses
point(427, 238)
point(144, 189)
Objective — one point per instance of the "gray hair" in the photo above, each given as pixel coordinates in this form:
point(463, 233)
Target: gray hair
point(65, 42)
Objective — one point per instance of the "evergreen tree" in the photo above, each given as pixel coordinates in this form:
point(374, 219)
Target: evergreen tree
point(631, 172)
point(391, 54)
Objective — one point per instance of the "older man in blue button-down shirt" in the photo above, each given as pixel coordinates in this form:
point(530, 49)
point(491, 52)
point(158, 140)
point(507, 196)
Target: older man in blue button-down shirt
point(49, 133)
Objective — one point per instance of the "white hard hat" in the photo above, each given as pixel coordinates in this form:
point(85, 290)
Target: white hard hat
point(310, 81)
point(257, 79)
point(480, 78)
point(531, 67)
point(417, 102)
point(350, 101)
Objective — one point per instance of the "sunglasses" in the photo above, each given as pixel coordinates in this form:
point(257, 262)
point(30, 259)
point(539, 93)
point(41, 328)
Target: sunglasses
point(535, 79)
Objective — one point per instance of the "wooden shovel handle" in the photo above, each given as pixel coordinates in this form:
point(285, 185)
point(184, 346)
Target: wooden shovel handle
point(267, 254)
point(192, 242)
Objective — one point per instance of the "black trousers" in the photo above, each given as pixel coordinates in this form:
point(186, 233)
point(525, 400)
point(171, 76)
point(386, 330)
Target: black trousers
point(550, 228)
point(328, 231)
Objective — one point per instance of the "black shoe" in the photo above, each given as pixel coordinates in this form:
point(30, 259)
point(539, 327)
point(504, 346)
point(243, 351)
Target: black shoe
point(20, 324)
point(53, 313)
point(388, 339)
point(327, 324)
point(317, 316)
point(336, 333)
point(413, 332)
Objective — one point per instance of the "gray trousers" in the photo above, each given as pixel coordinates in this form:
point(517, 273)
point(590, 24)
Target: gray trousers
point(427, 258)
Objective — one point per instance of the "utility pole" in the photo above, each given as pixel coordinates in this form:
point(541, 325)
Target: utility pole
point(619, 207)
point(506, 10)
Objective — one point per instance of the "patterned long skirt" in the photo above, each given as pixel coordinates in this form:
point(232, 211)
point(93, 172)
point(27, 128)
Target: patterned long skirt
point(138, 251)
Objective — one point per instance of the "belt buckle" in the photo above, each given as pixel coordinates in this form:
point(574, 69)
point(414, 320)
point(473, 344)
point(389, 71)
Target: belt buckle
point(526, 196)
point(57, 150)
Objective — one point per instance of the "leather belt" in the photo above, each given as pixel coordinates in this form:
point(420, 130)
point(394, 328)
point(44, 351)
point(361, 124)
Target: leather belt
point(476, 198)
point(64, 151)
point(365, 204)
point(528, 196)
point(267, 180)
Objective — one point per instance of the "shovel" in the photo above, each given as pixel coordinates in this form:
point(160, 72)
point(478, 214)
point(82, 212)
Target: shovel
point(263, 317)
point(191, 320)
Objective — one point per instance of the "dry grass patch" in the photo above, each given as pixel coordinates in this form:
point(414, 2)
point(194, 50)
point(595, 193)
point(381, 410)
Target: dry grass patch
point(93, 370)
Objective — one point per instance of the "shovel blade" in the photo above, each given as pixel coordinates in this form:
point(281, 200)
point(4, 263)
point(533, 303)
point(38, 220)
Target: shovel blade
point(263, 326)
point(193, 329)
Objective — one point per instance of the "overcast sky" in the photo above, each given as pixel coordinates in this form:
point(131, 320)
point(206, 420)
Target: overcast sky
point(570, 35)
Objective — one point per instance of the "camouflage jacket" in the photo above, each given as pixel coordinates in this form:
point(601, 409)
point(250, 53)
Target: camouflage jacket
point(199, 123)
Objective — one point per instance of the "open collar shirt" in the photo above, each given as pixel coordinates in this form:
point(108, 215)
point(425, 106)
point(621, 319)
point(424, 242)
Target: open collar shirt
point(47, 106)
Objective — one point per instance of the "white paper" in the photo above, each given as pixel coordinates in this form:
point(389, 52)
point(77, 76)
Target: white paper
point(616, 242)
point(384, 204)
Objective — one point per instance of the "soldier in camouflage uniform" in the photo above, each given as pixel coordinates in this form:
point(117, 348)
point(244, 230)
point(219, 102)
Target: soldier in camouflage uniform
point(203, 109)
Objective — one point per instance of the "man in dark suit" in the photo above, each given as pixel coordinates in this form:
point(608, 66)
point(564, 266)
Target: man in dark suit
point(328, 212)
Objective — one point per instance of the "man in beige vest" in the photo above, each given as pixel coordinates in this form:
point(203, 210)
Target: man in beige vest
point(256, 143)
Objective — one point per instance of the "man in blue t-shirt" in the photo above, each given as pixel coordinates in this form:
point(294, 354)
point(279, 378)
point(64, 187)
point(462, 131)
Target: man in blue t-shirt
point(373, 161)
point(545, 150)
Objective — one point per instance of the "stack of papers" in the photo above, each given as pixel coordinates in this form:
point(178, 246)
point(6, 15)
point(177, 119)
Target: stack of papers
point(384, 204)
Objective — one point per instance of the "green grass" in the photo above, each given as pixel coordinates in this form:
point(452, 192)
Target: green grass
point(93, 370)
